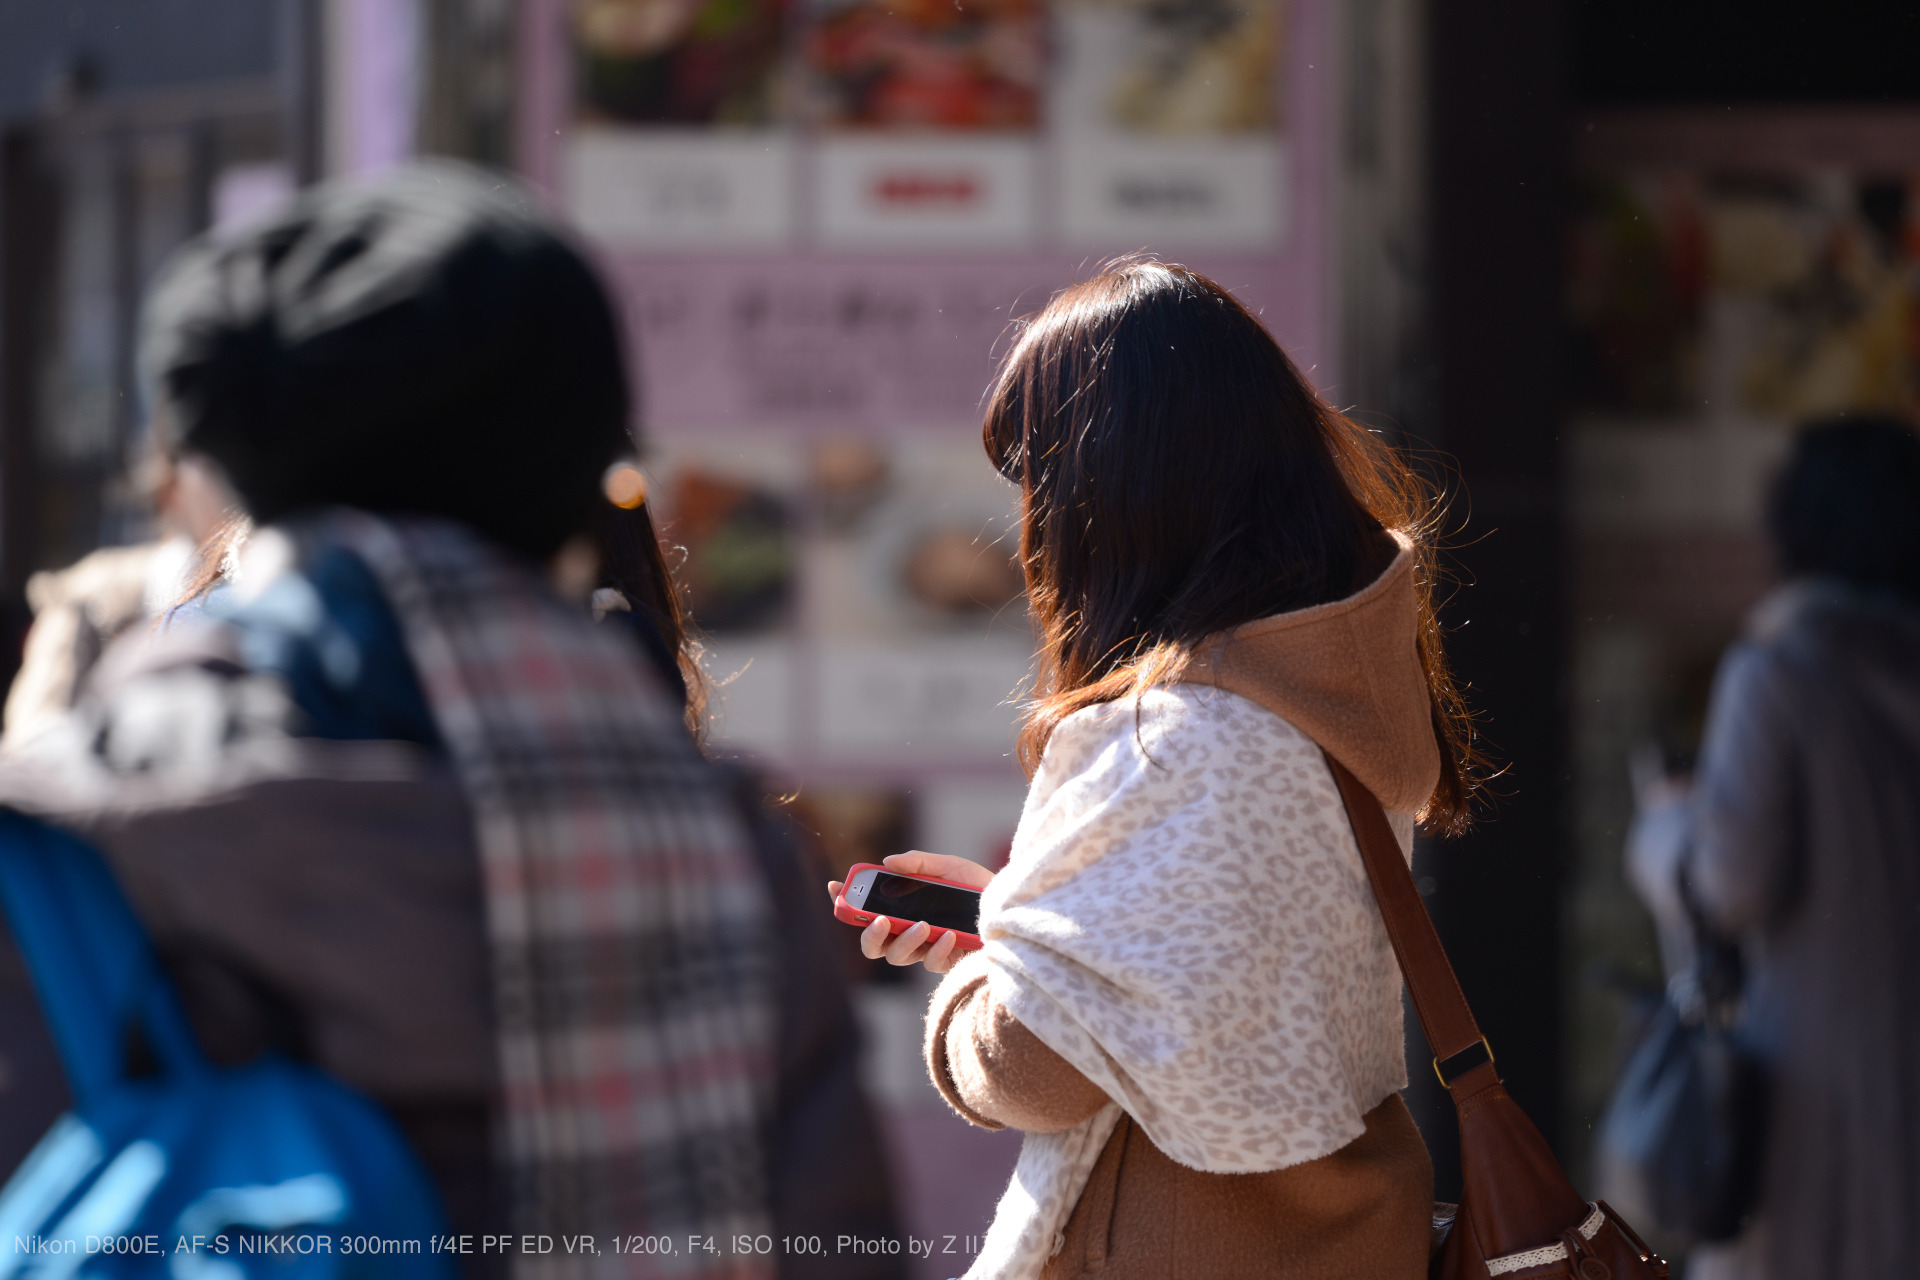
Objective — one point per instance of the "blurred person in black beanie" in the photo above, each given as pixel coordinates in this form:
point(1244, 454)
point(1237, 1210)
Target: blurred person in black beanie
point(424, 344)
point(391, 804)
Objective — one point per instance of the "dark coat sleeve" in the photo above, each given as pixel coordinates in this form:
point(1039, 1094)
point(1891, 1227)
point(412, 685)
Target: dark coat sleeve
point(828, 1163)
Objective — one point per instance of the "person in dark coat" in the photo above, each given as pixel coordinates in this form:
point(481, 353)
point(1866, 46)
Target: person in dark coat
point(1803, 841)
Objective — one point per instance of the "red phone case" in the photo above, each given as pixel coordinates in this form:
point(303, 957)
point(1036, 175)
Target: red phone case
point(861, 919)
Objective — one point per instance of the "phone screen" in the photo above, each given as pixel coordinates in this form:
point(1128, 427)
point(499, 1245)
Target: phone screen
point(941, 905)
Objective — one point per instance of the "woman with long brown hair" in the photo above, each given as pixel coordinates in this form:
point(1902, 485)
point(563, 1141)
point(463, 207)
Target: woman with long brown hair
point(1187, 999)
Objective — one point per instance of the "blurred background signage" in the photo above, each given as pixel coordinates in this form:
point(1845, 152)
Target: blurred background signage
point(824, 216)
point(988, 124)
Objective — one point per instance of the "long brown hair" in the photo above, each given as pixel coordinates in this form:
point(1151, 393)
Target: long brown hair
point(1178, 478)
point(633, 563)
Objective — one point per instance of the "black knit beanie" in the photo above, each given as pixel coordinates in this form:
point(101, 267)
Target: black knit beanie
point(424, 342)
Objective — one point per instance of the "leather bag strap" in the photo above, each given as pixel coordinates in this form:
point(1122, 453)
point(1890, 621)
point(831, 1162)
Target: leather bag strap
point(1437, 997)
point(1517, 1208)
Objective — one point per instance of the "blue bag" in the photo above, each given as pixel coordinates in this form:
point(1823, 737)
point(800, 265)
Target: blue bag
point(197, 1172)
point(1687, 1123)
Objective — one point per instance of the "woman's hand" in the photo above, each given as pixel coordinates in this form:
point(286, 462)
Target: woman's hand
point(911, 946)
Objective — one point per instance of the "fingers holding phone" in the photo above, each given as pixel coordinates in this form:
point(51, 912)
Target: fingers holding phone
point(917, 908)
point(939, 866)
point(911, 947)
point(878, 941)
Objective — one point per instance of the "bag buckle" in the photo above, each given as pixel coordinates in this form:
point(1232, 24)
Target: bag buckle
point(1441, 1076)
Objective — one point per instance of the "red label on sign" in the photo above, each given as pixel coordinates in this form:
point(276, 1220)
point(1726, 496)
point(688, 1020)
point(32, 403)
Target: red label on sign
point(922, 190)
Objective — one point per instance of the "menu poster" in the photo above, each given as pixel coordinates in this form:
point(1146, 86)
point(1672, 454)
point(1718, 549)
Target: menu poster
point(928, 110)
point(676, 143)
point(927, 64)
point(940, 125)
point(678, 62)
point(824, 220)
point(1166, 122)
point(1777, 297)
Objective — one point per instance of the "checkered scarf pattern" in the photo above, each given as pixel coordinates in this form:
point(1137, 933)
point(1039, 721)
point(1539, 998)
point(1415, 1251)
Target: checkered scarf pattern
point(630, 931)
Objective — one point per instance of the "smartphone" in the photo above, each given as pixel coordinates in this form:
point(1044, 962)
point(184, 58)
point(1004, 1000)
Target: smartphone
point(872, 890)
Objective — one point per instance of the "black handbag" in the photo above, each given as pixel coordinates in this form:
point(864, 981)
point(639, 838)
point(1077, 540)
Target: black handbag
point(1687, 1120)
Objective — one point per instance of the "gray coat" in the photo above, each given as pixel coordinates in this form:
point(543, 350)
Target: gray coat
point(1806, 845)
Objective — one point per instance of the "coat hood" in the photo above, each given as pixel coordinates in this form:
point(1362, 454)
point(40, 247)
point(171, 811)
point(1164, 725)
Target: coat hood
point(1348, 675)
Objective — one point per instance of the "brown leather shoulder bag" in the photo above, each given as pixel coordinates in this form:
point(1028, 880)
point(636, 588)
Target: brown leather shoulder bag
point(1519, 1215)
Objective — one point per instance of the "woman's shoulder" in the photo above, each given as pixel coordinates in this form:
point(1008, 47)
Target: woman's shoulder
point(1177, 714)
point(1168, 736)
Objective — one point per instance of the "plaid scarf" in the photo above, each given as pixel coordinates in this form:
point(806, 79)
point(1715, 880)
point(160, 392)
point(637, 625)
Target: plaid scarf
point(630, 930)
